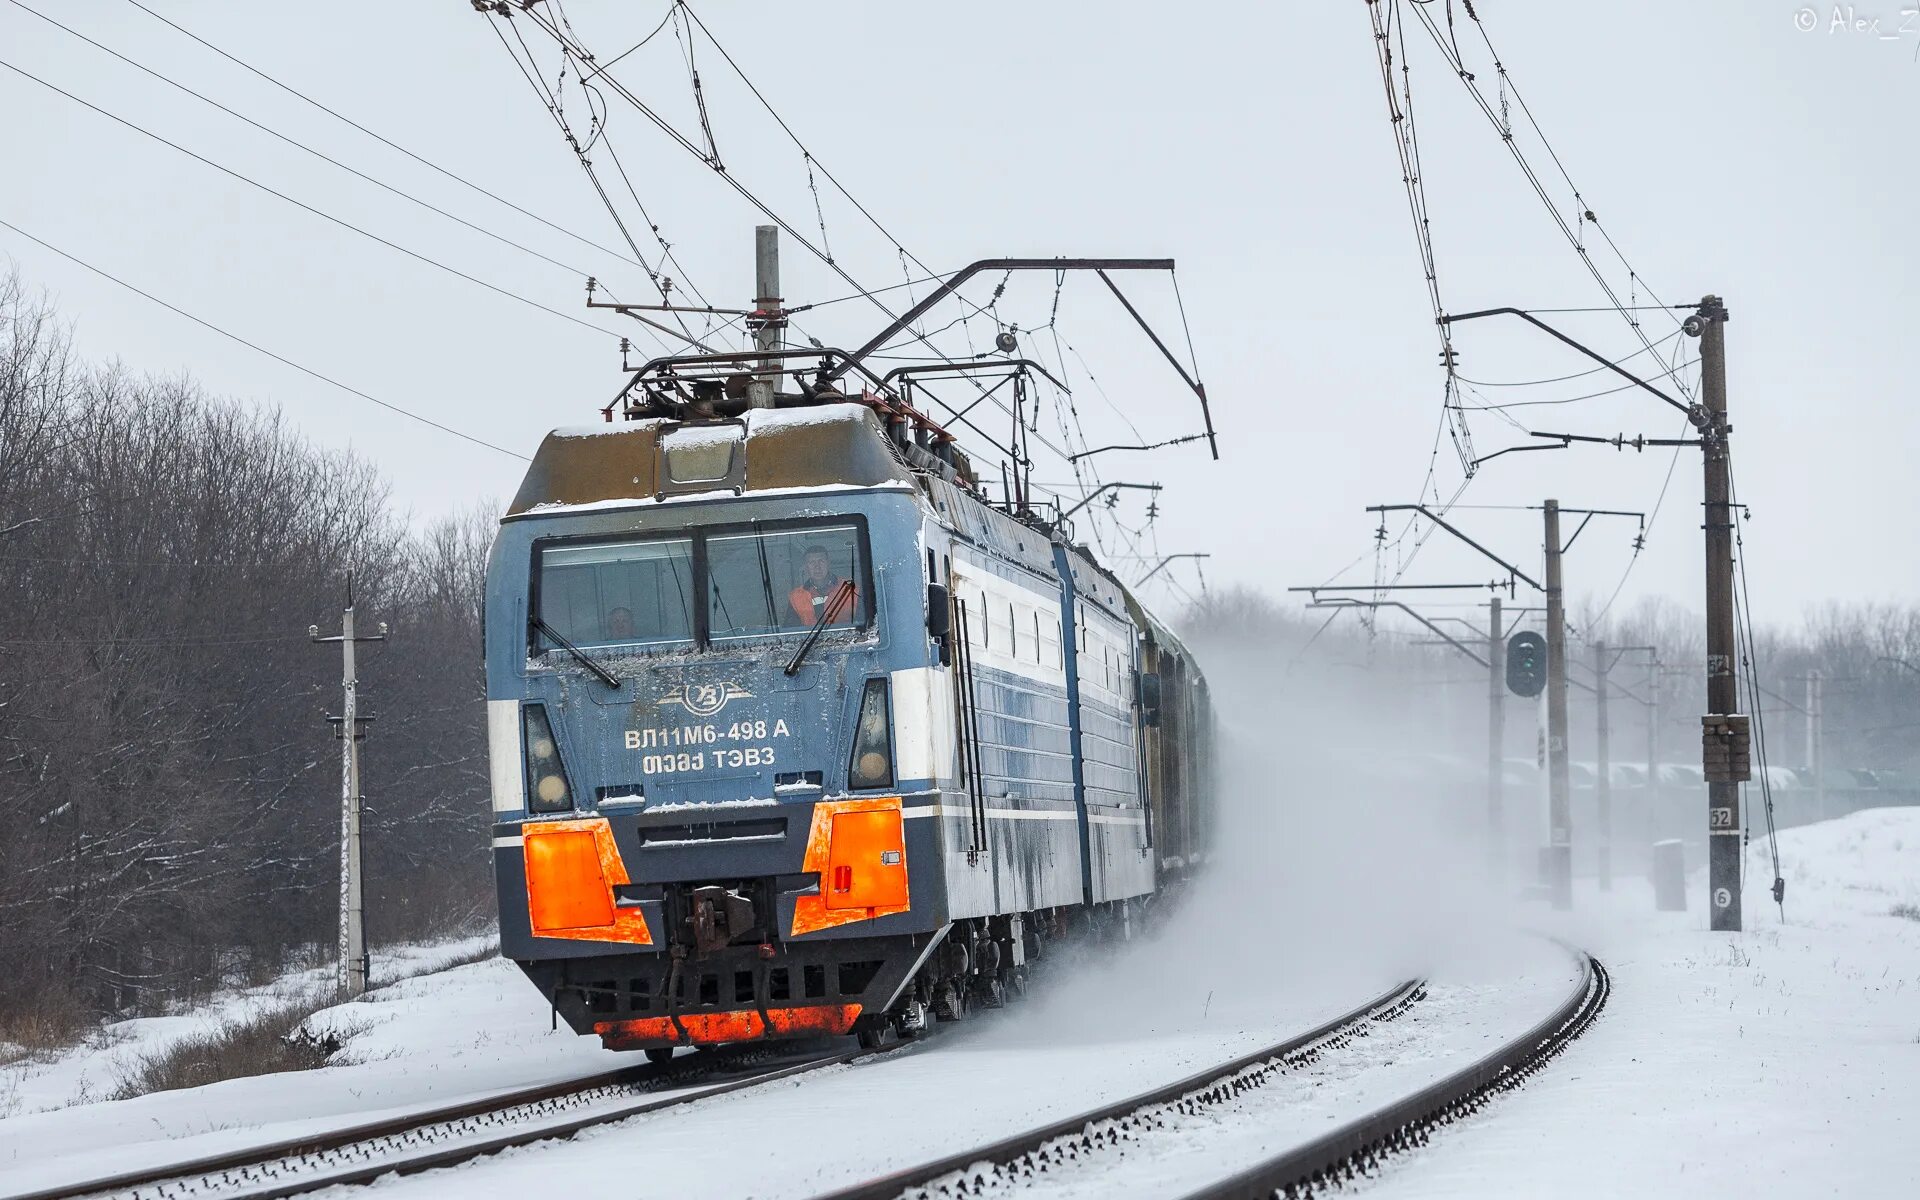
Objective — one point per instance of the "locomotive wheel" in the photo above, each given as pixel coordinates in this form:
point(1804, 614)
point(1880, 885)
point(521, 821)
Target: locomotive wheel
point(877, 1036)
point(950, 1002)
point(913, 1020)
point(992, 993)
point(658, 1054)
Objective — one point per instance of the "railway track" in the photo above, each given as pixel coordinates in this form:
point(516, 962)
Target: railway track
point(1352, 1150)
point(453, 1134)
point(1360, 1147)
point(1060, 1144)
point(460, 1133)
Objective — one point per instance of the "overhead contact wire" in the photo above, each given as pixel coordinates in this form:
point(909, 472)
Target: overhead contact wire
point(344, 224)
point(259, 349)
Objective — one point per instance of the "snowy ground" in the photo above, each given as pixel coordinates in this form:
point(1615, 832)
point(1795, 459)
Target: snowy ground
point(95, 1067)
point(1785, 1061)
point(418, 1043)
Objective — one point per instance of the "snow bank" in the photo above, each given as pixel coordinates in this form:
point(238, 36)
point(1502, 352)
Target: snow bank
point(419, 1043)
point(94, 1068)
point(1783, 1061)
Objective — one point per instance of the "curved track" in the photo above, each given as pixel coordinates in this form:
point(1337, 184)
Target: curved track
point(1352, 1150)
point(1356, 1149)
point(1057, 1145)
point(453, 1134)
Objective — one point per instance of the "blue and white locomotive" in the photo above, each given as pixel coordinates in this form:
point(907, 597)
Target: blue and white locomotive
point(793, 733)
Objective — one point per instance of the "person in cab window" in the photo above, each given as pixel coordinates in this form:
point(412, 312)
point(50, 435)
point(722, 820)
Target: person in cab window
point(620, 625)
point(818, 583)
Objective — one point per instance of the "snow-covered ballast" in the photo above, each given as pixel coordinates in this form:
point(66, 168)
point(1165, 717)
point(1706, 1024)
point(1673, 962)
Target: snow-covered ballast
point(792, 734)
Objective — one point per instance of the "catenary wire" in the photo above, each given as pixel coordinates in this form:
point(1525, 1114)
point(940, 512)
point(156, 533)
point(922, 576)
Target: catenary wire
point(259, 349)
point(1587, 396)
point(1466, 78)
point(302, 146)
point(1743, 614)
point(422, 160)
point(1577, 374)
point(905, 254)
point(753, 199)
point(551, 102)
point(342, 223)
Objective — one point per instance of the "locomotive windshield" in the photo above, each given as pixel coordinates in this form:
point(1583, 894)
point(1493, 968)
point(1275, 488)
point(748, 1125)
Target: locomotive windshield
point(783, 581)
point(619, 593)
point(770, 580)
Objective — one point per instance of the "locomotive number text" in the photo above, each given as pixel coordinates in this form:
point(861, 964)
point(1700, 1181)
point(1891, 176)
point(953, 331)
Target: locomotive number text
point(708, 734)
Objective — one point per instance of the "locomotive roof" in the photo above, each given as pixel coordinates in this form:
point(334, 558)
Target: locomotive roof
point(780, 449)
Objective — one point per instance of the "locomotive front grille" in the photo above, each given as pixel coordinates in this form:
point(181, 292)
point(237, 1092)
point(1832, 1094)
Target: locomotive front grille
point(713, 831)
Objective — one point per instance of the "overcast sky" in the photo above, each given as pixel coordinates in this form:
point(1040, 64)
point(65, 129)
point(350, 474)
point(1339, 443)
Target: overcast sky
point(1724, 147)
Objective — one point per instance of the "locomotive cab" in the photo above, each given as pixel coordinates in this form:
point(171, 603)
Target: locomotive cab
point(709, 669)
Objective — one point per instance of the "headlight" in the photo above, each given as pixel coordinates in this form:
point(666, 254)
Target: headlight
point(547, 790)
point(872, 765)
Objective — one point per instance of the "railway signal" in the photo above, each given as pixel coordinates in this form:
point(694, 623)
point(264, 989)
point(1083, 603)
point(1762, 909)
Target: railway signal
point(1526, 663)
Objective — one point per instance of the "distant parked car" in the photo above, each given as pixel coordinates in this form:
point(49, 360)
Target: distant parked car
point(1681, 775)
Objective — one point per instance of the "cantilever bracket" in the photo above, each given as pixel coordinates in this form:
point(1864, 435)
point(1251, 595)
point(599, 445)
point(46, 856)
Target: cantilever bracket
point(1348, 602)
point(1695, 413)
point(1428, 513)
point(1099, 265)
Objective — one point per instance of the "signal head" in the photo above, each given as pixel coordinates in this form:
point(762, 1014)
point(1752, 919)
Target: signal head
point(1526, 663)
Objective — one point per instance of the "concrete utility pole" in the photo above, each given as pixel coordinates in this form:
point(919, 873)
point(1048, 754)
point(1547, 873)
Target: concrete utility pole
point(1496, 732)
point(1603, 769)
point(1816, 722)
point(353, 925)
point(1725, 750)
point(1726, 733)
point(1653, 732)
point(768, 316)
point(1559, 813)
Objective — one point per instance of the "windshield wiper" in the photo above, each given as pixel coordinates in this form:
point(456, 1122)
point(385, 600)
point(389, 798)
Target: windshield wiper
point(606, 676)
point(820, 622)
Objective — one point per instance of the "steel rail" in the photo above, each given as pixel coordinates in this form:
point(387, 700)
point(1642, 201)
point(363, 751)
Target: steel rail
point(1215, 1083)
point(1358, 1148)
point(273, 1170)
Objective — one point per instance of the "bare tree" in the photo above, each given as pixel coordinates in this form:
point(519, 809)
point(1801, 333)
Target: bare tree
point(166, 793)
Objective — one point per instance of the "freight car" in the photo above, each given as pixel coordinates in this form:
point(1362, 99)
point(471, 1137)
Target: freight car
point(792, 732)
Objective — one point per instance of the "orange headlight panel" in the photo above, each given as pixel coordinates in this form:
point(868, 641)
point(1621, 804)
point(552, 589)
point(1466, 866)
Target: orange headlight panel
point(565, 886)
point(866, 861)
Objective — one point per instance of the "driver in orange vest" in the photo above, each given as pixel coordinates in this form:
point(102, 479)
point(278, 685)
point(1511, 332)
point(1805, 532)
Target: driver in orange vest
point(817, 587)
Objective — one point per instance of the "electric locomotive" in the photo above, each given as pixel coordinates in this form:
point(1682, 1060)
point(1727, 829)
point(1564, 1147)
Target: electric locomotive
point(792, 732)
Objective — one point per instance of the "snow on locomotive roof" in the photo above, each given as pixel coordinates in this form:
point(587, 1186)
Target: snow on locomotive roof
point(758, 420)
point(827, 446)
point(551, 507)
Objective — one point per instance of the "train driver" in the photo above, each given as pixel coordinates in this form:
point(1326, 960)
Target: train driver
point(620, 625)
point(818, 585)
